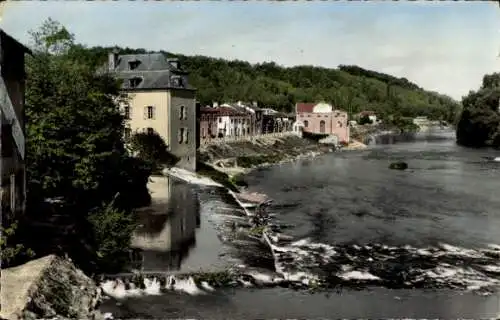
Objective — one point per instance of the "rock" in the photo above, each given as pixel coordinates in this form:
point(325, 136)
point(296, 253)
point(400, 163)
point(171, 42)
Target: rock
point(400, 165)
point(49, 287)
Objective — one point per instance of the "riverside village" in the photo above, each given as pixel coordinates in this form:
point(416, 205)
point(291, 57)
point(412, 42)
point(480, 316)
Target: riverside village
point(146, 184)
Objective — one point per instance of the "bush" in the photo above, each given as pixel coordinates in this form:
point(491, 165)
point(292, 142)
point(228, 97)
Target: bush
point(11, 251)
point(111, 233)
point(150, 147)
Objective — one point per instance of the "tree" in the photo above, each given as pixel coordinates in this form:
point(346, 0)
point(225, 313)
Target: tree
point(479, 122)
point(74, 140)
point(150, 147)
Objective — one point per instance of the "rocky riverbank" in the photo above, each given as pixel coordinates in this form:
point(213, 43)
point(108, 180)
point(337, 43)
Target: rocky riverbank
point(239, 157)
point(48, 288)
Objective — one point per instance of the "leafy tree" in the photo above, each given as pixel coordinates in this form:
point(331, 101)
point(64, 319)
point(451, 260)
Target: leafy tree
point(479, 123)
point(150, 147)
point(74, 141)
point(348, 87)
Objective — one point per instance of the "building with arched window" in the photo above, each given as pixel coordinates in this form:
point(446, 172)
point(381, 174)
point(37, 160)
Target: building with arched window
point(323, 118)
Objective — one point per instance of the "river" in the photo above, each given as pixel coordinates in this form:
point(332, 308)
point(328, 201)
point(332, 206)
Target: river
point(427, 238)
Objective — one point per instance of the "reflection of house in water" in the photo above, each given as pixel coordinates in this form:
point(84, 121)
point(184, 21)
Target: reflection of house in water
point(167, 228)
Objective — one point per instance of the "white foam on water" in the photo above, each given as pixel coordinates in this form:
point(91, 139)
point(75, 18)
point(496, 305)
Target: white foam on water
point(108, 316)
point(116, 289)
point(460, 251)
point(153, 286)
point(191, 177)
point(359, 275)
point(205, 285)
point(184, 285)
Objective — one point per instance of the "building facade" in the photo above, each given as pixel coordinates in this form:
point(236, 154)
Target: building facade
point(323, 118)
point(160, 100)
point(208, 123)
point(232, 122)
point(12, 96)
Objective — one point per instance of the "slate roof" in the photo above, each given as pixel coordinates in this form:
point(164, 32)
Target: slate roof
point(153, 69)
point(8, 38)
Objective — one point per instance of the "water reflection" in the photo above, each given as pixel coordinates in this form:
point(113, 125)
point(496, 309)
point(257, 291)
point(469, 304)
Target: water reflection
point(167, 231)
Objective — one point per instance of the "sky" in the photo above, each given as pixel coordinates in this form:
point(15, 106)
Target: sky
point(441, 46)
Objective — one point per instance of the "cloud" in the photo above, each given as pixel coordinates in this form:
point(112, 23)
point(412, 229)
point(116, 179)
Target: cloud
point(441, 47)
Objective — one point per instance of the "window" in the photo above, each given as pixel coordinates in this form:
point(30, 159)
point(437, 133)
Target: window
point(340, 124)
point(127, 133)
point(150, 131)
point(126, 112)
point(220, 120)
point(149, 112)
point(186, 136)
point(306, 124)
point(182, 113)
point(203, 133)
point(7, 141)
point(134, 82)
point(322, 126)
point(180, 135)
point(133, 64)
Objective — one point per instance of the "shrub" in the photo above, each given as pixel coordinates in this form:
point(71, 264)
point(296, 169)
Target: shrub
point(111, 233)
point(150, 147)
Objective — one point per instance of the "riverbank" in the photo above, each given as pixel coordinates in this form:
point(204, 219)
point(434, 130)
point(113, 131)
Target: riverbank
point(240, 157)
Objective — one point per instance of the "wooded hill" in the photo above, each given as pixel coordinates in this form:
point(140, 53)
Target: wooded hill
point(351, 88)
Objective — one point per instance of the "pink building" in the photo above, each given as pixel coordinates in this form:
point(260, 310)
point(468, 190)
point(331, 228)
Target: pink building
point(322, 118)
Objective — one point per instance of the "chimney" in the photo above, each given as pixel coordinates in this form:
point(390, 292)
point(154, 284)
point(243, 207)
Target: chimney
point(174, 62)
point(113, 59)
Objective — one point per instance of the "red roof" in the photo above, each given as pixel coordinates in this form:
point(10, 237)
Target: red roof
point(207, 110)
point(305, 107)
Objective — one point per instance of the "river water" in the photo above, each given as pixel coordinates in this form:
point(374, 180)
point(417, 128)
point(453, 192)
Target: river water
point(420, 243)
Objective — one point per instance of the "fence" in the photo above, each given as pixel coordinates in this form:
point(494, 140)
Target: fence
point(212, 141)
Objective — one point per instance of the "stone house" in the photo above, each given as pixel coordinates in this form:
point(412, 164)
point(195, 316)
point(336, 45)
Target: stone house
point(256, 116)
point(12, 96)
point(208, 123)
point(160, 100)
point(323, 118)
point(232, 122)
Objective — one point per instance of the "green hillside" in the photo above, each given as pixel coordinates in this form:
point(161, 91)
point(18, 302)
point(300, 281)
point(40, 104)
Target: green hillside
point(349, 87)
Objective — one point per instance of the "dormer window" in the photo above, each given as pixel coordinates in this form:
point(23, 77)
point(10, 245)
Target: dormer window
point(176, 81)
point(133, 64)
point(134, 82)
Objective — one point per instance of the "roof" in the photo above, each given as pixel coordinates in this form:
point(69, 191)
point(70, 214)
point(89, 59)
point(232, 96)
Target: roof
point(10, 39)
point(304, 107)
point(154, 70)
point(208, 110)
point(227, 111)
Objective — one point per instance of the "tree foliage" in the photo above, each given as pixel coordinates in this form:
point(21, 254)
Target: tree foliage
point(351, 88)
point(75, 147)
point(150, 147)
point(479, 123)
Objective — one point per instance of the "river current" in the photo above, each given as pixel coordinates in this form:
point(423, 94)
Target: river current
point(424, 242)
